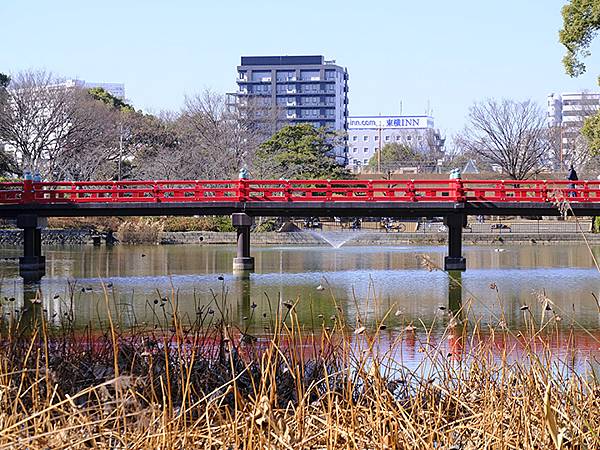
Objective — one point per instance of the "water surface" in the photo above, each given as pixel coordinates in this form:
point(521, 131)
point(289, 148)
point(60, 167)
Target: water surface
point(366, 283)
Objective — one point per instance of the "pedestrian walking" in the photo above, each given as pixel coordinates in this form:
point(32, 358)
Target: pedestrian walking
point(572, 176)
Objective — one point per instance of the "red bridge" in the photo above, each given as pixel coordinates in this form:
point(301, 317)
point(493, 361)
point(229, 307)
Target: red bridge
point(31, 202)
point(369, 191)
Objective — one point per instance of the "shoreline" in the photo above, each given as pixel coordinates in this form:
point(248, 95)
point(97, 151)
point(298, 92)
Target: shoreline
point(13, 237)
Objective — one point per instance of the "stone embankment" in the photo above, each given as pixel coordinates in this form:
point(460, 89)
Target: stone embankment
point(49, 237)
point(358, 238)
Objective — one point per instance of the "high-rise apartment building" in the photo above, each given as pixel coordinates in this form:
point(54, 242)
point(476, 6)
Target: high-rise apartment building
point(306, 89)
point(566, 113)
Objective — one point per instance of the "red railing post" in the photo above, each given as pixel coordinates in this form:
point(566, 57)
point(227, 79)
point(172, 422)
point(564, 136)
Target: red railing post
point(328, 191)
point(197, 190)
point(370, 191)
point(156, 193)
point(28, 195)
point(243, 190)
point(456, 186)
point(410, 189)
point(502, 192)
point(288, 191)
point(114, 195)
point(545, 191)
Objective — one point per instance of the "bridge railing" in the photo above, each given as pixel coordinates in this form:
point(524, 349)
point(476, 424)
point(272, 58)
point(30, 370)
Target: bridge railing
point(11, 193)
point(531, 190)
point(168, 191)
point(119, 191)
point(351, 190)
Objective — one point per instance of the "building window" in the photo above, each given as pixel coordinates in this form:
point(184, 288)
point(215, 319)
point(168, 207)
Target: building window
point(261, 75)
point(286, 75)
point(310, 75)
point(387, 138)
point(366, 149)
point(397, 138)
point(354, 138)
point(365, 138)
point(366, 161)
point(354, 149)
point(408, 138)
point(356, 162)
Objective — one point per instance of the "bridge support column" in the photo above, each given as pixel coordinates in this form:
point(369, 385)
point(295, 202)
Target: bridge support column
point(32, 265)
point(242, 223)
point(455, 260)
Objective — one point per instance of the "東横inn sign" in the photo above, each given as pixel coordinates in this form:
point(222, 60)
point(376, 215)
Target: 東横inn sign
point(375, 122)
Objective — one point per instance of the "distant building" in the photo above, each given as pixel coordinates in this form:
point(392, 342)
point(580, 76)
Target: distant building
point(114, 89)
point(566, 113)
point(366, 134)
point(470, 167)
point(307, 89)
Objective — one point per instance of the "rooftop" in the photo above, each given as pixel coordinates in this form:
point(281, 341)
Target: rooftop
point(282, 60)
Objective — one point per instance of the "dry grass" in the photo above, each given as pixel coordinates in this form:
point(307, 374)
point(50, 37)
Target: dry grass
point(210, 384)
point(92, 223)
point(139, 232)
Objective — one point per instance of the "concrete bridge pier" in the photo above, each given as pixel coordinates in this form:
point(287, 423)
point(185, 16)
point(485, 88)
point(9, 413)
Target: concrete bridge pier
point(242, 223)
point(455, 260)
point(32, 265)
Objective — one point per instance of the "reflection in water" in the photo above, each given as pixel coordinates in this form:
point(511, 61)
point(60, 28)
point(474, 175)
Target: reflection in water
point(140, 284)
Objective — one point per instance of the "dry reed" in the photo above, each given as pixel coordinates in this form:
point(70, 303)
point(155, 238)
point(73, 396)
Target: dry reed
point(208, 384)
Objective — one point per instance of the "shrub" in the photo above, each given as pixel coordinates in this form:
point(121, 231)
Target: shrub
point(270, 224)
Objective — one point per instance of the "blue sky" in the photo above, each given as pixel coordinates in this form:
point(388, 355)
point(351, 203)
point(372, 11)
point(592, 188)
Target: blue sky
point(445, 54)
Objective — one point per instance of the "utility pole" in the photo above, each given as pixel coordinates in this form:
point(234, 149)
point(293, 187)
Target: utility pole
point(561, 147)
point(379, 151)
point(120, 149)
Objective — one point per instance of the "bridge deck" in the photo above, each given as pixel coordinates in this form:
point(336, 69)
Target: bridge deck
point(297, 209)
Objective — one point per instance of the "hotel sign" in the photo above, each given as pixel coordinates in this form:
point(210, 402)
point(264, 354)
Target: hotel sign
point(376, 122)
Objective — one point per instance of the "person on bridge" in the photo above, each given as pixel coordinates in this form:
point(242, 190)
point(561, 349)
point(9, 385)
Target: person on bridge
point(572, 176)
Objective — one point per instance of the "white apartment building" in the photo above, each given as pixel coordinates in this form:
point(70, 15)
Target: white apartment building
point(366, 134)
point(566, 113)
point(114, 89)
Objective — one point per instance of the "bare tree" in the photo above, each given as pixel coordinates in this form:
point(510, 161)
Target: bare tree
point(92, 148)
point(53, 128)
point(223, 137)
point(511, 134)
